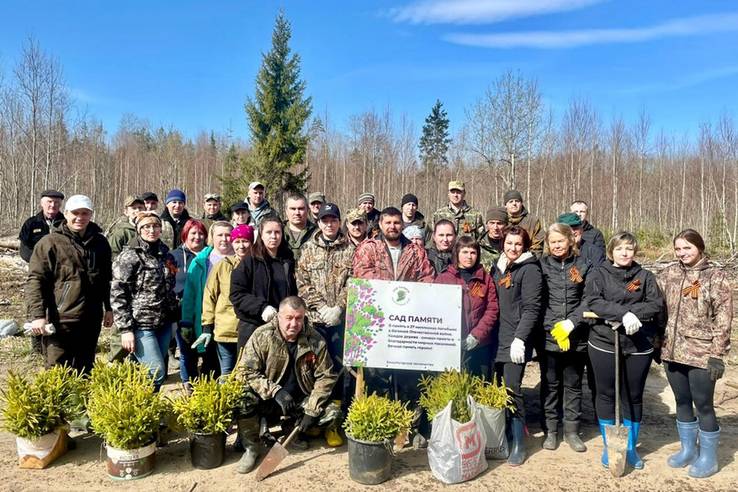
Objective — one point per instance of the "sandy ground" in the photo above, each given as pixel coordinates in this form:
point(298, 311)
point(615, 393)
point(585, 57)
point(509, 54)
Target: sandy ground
point(322, 468)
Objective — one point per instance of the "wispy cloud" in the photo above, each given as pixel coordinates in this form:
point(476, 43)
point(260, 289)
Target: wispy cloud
point(480, 11)
point(693, 80)
point(686, 26)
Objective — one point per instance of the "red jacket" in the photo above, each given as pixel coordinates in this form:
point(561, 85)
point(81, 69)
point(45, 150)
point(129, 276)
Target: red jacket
point(480, 309)
point(372, 261)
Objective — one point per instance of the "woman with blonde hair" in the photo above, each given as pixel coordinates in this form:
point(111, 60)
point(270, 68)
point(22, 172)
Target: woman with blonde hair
point(566, 333)
point(627, 302)
point(697, 322)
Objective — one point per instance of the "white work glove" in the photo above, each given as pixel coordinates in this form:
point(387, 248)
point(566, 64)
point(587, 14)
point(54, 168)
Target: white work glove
point(48, 329)
point(631, 323)
point(470, 343)
point(517, 351)
point(324, 311)
point(333, 317)
point(203, 339)
point(268, 313)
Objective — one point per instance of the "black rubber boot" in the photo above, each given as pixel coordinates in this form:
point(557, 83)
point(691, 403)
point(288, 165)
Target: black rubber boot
point(517, 450)
point(571, 436)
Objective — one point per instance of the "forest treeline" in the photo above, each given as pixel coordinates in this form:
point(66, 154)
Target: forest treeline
point(633, 175)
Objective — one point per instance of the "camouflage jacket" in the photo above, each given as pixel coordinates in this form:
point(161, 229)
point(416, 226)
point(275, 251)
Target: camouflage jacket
point(468, 221)
point(372, 261)
point(265, 359)
point(698, 314)
point(119, 234)
point(296, 244)
point(322, 273)
point(142, 290)
point(491, 252)
point(533, 226)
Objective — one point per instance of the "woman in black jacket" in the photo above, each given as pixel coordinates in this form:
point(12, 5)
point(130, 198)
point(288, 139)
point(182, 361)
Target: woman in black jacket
point(519, 283)
point(262, 280)
point(566, 334)
point(627, 302)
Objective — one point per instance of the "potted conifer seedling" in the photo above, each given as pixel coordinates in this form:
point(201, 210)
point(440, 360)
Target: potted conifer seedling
point(125, 411)
point(207, 413)
point(372, 424)
point(38, 411)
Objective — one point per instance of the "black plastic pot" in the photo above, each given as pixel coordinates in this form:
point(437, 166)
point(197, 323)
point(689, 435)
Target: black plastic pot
point(207, 450)
point(370, 463)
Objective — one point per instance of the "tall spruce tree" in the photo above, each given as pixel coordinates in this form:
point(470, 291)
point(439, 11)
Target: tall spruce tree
point(435, 141)
point(276, 116)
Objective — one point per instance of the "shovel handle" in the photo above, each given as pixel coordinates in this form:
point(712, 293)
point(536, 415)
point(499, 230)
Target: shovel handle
point(291, 436)
point(617, 378)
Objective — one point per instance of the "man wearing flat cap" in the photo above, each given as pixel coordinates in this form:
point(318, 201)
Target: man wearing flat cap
point(518, 215)
point(36, 227)
point(491, 244)
point(467, 220)
point(69, 286)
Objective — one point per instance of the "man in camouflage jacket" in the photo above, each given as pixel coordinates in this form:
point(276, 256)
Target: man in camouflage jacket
point(490, 244)
point(322, 274)
point(288, 372)
point(468, 221)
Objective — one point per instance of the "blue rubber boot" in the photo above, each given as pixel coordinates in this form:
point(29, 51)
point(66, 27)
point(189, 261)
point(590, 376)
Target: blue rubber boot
point(633, 459)
point(707, 464)
point(603, 423)
point(517, 451)
point(689, 452)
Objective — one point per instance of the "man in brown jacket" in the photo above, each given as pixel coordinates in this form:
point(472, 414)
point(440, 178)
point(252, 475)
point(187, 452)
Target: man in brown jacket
point(69, 287)
point(517, 214)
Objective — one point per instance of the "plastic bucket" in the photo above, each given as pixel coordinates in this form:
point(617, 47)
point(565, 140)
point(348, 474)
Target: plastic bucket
point(130, 464)
point(207, 450)
point(370, 463)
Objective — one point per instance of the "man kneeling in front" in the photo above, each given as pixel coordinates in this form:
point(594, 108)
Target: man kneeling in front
point(289, 377)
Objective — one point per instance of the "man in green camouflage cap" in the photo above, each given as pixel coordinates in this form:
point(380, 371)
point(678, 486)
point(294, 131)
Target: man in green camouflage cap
point(468, 221)
point(356, 226)
point(288, 373)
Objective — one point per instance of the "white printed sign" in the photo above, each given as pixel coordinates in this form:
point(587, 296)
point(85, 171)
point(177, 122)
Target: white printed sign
point(403, 325)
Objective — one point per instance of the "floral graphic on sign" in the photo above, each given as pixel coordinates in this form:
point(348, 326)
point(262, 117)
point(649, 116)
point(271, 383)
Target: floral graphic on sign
point(363, 320)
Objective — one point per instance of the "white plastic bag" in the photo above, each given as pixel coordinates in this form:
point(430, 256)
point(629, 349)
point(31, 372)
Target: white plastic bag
point(456, 451)
point(8, 328)
point(39, 448)
point(493, 421)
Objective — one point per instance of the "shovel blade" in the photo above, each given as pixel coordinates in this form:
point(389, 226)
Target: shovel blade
point(617, 448)
point(271, 461)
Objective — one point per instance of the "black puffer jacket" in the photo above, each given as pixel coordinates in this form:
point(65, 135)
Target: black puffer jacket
point(439, 259)
point(564, 299)
point(253, 289)
point(611, 292)
point(520, 296)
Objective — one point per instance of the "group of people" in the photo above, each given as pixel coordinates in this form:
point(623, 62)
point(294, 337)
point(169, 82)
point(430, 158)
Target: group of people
point(267, 297)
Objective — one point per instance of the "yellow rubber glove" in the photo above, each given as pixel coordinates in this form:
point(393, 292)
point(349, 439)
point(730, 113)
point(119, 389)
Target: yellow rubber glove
point(560, 333)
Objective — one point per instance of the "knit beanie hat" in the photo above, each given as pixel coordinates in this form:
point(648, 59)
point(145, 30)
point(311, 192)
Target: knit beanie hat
point(512, 195)
point(409, 198)
point(243, 231)
point(366, 197)
point(497, 213)
point(175, 194)
point(146, 217)
point(412, 232)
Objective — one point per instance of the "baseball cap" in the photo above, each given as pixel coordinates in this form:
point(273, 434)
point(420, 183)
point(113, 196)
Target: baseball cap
point(456, 185)
point(255, 184)
point(239, 206)
point(77, 202)
point(329, 209)
point(130, 200)
point(212, 196)
point(316, 197)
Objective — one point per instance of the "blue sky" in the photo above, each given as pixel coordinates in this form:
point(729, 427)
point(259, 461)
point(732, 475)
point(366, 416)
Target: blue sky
point(191, 64)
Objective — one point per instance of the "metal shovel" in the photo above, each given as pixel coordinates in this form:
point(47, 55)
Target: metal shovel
point(275, 456)
point(616, 436)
